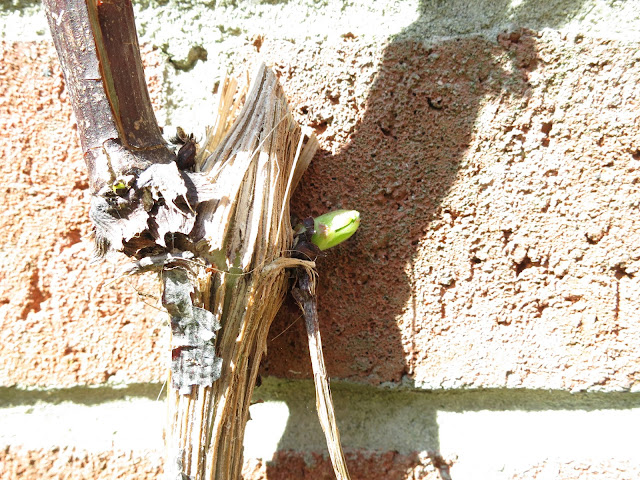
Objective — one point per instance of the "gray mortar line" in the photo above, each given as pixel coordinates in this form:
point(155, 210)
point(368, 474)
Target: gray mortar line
point(80, 394)
point(185, 23)
point(370, 418)
point(300, 391)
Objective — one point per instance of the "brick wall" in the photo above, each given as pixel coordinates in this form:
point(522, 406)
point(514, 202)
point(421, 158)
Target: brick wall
point(483, 323)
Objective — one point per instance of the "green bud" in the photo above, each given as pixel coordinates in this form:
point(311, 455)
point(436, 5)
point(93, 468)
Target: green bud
point(119, 186)
point(335, 227)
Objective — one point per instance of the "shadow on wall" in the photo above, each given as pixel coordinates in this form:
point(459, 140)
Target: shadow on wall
point(413, 420)
point(399, 164)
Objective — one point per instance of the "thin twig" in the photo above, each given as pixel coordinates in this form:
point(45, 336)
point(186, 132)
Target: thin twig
point(304, 294)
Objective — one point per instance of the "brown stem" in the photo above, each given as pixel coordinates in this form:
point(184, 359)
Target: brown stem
point(232, 216)
point(304, 294)
point(98, 48)
point(139, 196)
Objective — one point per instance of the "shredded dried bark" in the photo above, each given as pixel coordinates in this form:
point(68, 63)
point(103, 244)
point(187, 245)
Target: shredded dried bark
point(215, 225)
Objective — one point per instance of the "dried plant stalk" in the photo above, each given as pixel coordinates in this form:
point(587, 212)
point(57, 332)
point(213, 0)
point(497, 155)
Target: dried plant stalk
point(219, 234)
point(305, 295)
point(246, 237)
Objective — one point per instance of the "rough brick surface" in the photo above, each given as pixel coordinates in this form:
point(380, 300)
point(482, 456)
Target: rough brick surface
point(69, 464)
point(61, 321)
point(393, 466)
point(57, 464)
point(362, 466)
point(605, 470)
point(498, 186)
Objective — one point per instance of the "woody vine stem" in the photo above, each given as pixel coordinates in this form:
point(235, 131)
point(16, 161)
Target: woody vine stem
point(213, 220)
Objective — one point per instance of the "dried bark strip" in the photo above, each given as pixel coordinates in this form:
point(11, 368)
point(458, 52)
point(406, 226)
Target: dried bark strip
point(305, 295)
point(256, 163)
point(219, 235)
